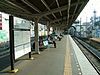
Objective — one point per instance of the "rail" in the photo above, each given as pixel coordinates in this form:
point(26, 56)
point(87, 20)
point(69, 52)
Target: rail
point(93, 51)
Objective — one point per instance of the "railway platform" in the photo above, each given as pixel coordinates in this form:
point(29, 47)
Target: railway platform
point(95, 42)
point(95, 39)
point(66, 59)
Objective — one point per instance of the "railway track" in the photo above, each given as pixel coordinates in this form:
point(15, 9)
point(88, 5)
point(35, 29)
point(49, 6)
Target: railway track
point(91, 53)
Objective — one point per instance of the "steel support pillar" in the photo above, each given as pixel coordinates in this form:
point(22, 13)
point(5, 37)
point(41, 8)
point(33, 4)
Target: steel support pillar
point(11, 36)
point(36, 19)
point(30, 56)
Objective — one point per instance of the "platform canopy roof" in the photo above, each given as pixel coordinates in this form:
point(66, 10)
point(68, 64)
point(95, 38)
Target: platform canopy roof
point(59, 13)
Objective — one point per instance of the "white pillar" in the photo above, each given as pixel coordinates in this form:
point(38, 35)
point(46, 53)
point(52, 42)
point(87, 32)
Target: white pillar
point(36, 35)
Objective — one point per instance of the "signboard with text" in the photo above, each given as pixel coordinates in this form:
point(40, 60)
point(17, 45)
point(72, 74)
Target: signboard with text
point(21, 37)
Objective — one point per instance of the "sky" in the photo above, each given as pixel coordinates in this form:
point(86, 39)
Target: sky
point(87, 12)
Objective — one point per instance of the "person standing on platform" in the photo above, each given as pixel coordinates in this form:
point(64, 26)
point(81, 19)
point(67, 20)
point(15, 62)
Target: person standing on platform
point(53, 39)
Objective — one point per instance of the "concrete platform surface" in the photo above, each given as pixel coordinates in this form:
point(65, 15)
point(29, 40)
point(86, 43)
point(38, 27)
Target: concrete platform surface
point(49, 62)
point(66, 59)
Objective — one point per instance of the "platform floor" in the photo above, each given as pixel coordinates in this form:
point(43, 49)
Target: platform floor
point(52, 61)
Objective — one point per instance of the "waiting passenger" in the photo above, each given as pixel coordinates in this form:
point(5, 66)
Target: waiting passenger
point(53, 39)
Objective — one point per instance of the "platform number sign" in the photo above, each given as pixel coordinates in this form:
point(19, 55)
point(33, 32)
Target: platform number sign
point(0, 21)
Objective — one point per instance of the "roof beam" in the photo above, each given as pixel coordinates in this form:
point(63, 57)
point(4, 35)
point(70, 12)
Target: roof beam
point(59, 25)
point(75, 10)
point(33, 7)
point(16, 5)
point(54, 10)
point(82, 6)
point(57, 9)
point(61, 18)
point(48, 8)
point(45, 13)
point(69, 5)
point(57, 20)
point(45, 4)
point(58, 6)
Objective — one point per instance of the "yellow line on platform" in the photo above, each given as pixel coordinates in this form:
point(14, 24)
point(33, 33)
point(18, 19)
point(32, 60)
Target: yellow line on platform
point(68, 68)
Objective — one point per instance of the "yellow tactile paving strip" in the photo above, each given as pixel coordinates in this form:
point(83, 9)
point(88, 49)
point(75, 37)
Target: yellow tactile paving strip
point(68, 68)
